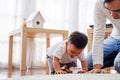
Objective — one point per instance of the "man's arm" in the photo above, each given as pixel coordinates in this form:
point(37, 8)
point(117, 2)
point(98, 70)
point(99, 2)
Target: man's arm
point(98, 36)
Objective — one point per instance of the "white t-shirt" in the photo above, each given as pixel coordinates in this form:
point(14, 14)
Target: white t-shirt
point(59, 50)
point(100, 16)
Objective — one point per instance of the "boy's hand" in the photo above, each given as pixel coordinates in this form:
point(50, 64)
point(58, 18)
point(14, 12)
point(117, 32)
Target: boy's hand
point(66, 68)
point(82, 71)
point(60, 72)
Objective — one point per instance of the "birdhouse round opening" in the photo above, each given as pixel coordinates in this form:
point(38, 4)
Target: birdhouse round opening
point(37, 22)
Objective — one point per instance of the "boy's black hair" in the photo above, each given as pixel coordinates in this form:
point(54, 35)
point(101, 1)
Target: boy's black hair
point(78, 39)
point(107, 1)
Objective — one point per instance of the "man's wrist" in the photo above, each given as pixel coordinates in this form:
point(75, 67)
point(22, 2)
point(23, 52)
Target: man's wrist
point(97, 66)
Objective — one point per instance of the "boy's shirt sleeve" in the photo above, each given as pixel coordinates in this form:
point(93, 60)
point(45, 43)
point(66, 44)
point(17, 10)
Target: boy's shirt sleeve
point(59, 51)
point(82, 56)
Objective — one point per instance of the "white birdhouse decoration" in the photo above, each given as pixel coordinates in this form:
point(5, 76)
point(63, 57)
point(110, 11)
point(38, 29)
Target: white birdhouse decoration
point(35, 20)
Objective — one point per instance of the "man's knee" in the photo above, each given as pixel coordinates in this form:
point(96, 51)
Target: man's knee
point(117, 66)
point(117, 63)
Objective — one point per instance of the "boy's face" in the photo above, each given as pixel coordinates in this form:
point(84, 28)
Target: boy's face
point(114, 8)
point(72, 50)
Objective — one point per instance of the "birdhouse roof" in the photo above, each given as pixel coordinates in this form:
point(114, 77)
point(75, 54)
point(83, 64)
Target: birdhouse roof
point(34, 15)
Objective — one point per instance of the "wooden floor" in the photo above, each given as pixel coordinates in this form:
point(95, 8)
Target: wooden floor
point(4, 74)
point(15, 73)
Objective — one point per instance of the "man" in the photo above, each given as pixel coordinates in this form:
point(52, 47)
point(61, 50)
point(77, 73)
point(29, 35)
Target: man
point(105, 53)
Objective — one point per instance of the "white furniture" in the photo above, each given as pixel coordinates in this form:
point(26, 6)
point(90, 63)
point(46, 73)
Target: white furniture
point(28, 32)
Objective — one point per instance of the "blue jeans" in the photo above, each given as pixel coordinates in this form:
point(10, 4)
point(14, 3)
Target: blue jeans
point(111, 53)
point(50, 64)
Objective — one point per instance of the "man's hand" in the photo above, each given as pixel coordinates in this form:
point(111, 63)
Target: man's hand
point(96, 69)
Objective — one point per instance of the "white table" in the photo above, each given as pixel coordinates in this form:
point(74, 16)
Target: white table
point(27, 32)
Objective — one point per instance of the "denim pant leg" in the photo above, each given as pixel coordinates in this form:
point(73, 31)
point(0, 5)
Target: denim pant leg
point(117, 63)
point(109, 52)
point(90, 61)
point(117, 58)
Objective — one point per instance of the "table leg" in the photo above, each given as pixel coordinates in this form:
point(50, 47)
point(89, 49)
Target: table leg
point(47, 46)
point(90, 35)
point(65, 36)
point(10, 52)
point(23, 47)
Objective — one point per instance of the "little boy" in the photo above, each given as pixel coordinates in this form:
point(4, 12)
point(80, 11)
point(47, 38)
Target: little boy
point(66, 53)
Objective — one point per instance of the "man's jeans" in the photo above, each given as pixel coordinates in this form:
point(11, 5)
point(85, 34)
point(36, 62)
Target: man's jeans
point(111, 54)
